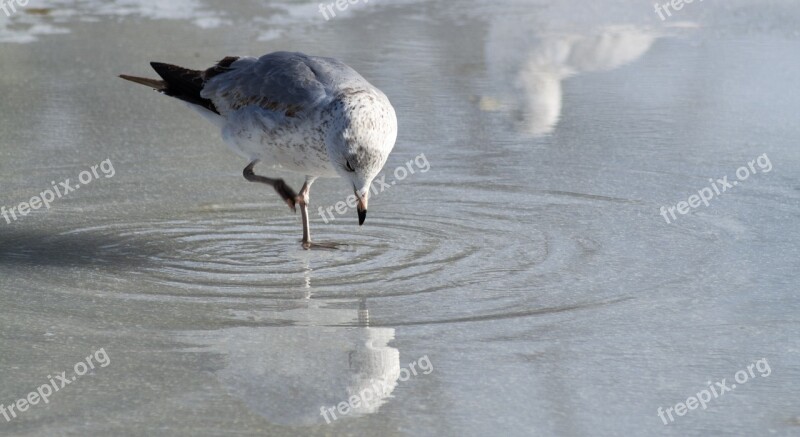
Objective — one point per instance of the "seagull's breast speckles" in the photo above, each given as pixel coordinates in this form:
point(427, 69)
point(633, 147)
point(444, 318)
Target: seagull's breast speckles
point(298, 142)
point(295, 143)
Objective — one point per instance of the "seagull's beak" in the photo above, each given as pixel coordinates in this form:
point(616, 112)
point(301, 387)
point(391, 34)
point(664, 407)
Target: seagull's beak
point(363, 200)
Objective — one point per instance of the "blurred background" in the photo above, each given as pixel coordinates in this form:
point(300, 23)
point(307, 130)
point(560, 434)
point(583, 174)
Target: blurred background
point(530, 264)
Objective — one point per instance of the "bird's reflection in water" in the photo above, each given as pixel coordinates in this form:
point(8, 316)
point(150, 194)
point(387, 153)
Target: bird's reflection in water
point(527, 66)
point(314, 357)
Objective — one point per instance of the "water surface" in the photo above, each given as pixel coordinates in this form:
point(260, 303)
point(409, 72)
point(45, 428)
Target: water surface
point(530, 263)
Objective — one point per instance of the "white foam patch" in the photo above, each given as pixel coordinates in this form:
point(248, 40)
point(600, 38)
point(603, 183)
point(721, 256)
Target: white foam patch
point(289, 15)
point(275, 18)
point(43, 17)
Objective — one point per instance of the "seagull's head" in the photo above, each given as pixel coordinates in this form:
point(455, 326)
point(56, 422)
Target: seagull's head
point(360, 148)
point(359, 165)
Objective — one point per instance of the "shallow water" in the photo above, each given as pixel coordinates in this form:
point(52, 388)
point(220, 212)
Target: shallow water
point(529, 264)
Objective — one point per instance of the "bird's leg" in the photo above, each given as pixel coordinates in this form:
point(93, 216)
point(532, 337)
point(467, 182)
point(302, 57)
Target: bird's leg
point(302, 200)
point(288, 196)
point(279, 185)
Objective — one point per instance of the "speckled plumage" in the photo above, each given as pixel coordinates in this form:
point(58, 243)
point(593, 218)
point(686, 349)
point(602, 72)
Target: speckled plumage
point(300, 112)
point(308, 114)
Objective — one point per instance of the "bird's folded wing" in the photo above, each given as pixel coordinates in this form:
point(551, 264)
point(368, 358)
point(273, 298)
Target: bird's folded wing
point(281, 82)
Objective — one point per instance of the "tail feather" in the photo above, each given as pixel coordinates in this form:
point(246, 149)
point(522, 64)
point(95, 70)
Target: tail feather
point(178, 82)
point(158, 85)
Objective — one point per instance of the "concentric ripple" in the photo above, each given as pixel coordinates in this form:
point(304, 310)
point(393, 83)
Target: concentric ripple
point(478, 253)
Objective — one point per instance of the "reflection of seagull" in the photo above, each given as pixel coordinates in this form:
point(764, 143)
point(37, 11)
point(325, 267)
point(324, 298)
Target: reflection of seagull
point(286, 374)
point(312, 115)
point(535, 92)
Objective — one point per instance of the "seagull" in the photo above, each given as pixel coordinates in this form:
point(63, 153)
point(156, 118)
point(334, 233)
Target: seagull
point(311, 115)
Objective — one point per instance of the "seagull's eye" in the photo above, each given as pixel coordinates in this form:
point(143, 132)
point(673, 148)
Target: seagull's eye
point(349, 167)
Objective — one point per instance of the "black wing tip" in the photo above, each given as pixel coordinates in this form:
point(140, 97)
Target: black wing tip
point(223, 66)
point(179, 82)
